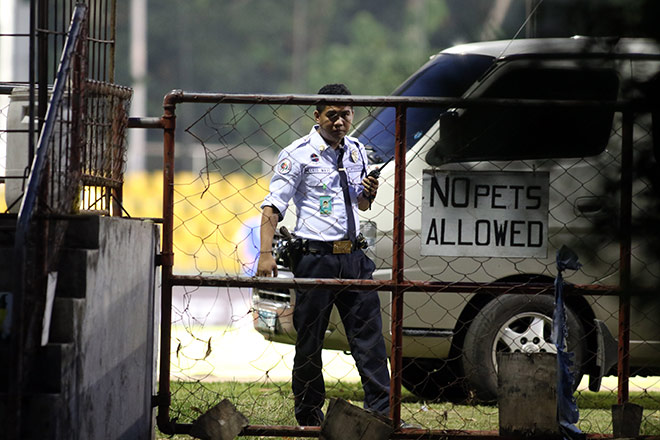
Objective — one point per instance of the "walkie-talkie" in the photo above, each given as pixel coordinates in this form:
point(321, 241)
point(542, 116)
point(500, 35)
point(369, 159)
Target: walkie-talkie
point(376, 173)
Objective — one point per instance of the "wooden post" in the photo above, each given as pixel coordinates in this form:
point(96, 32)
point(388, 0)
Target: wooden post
point(527, 394)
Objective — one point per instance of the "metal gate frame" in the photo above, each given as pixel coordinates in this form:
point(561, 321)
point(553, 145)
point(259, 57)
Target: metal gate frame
point(397, 285)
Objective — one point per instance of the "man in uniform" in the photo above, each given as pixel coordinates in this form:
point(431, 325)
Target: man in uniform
point(325, 173)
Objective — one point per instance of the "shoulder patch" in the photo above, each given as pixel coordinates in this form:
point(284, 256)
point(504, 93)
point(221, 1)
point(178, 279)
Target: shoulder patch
point(284, 167)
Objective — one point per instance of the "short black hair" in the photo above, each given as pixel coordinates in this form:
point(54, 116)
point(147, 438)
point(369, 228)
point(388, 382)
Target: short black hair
point(332, 89)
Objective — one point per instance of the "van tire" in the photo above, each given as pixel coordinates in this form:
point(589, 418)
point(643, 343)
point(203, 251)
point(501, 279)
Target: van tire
point(514, 314)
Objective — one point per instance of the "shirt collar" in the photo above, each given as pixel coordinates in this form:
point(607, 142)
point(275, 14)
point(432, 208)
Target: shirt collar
point(319, 143)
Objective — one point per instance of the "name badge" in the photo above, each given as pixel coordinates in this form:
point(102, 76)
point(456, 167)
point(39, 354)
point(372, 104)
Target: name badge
point(325, 205)
point(318, 170)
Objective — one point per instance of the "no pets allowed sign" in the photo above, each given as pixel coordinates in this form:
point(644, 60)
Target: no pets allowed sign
point(485, 214)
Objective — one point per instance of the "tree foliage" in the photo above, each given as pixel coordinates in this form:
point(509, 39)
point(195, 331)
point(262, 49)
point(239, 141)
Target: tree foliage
point(292, 46)
point(295, 46)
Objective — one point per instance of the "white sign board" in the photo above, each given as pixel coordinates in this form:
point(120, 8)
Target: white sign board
point(485, 214)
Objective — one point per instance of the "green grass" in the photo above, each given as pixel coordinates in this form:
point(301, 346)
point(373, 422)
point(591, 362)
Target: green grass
point(271, 403)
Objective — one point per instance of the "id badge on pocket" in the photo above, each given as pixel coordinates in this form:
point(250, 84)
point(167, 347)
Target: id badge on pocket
point(325, 205)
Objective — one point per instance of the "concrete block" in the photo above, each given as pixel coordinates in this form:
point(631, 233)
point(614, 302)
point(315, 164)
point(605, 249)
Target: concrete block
point(68, 315)
point(95, 379)
point(84, 232)
point(74, 269)
point(50, 419)
point(48, 422)
point(527, 394)
point(222, 422)
point(626, 420)
point(56, 368)
point(348, 422)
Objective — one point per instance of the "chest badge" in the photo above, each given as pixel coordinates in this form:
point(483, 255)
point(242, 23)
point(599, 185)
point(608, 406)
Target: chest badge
point(325, 205)
point(354, 155)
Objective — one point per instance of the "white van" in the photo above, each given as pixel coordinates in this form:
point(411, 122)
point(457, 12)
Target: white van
point(491, 195)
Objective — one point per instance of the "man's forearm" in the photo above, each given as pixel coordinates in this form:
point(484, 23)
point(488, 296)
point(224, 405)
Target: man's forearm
point(269, 218)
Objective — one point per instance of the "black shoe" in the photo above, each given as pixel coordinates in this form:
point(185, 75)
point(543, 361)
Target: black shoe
point(311, 420)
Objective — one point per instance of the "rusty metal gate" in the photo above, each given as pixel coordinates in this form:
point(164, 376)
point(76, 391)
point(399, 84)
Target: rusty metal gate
point(240, 136)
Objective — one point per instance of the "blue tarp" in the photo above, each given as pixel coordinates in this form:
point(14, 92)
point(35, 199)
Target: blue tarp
point(567, 410)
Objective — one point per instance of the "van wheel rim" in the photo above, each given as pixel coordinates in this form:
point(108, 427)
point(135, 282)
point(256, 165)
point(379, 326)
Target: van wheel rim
point(528, 332)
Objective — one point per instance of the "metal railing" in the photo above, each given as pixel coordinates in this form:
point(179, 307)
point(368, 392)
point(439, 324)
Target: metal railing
point(398, 284)
point(29, 298)
point(77, 167)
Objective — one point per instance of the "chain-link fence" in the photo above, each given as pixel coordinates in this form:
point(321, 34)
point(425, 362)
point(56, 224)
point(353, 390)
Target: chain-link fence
point(86, 173)
point(103, 156)
point(91, 116)
point(96, 157)
point(465, 249)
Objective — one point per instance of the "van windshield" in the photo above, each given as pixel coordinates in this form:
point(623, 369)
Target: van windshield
point(446, 75)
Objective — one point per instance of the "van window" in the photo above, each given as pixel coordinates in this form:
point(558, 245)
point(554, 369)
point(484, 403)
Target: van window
point(446, 75)
point(531, 132)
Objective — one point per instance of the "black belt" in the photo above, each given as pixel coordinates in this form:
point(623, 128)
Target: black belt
point(329, 247)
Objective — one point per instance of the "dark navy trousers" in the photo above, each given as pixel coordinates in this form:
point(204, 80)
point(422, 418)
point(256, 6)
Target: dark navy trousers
point(361, 315)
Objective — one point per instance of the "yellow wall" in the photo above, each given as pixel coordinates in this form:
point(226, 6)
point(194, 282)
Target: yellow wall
point(213, 215)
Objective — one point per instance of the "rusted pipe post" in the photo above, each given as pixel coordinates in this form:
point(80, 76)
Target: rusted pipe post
point(624, 258)
point(397, 263)
point(167, 255)
point(42, 63)
point(79, 103)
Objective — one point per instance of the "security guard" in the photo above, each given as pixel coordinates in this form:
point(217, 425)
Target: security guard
point(325, 173)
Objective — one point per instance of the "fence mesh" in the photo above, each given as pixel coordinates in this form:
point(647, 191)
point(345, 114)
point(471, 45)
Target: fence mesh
point(236, 343)
point(96, 159)
point(88, 140)
point(103, 155)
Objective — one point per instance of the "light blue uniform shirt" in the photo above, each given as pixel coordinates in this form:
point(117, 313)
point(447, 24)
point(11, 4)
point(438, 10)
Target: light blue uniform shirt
point(306, 172)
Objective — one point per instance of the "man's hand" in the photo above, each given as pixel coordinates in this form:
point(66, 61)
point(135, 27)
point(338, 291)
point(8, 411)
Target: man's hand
point(266, 266)
point(370, 187)
point(369, 194)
